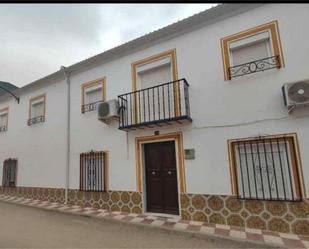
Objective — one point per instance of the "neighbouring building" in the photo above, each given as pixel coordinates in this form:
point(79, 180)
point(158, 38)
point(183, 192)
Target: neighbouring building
point(203, 129)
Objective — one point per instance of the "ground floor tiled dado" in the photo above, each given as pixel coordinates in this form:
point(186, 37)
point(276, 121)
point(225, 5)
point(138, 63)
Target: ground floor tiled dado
point(277, 216)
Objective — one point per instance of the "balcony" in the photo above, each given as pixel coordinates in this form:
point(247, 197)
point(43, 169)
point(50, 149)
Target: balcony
point(160, 105)
point(254, 66)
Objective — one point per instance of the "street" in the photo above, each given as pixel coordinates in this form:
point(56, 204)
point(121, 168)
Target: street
point(36, 228)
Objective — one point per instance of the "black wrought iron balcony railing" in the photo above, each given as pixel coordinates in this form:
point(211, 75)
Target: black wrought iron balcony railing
point(3, 128)
point(254, 66)
point(155, 106)
point(35, 120)
point(90, 107)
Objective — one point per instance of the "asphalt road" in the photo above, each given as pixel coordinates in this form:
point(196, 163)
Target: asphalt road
point(27, 227)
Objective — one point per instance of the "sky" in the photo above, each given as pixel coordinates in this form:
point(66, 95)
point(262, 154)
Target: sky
point(36, 39)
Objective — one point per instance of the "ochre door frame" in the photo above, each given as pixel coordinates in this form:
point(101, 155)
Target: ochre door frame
point(166, 54)
point(178, 138)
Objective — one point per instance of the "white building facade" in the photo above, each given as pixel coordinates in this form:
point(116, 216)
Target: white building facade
point(203, 130)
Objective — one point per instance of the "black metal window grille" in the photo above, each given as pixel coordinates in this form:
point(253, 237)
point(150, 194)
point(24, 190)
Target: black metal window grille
point(93, 171)
point(9, 173)
point(35, 120)
point(3, 128)
point(254, 66)
point(266, 169)
point(90, 107)
point(162, 103)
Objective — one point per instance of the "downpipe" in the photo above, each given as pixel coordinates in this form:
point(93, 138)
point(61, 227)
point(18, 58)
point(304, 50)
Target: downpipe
point(68, 149)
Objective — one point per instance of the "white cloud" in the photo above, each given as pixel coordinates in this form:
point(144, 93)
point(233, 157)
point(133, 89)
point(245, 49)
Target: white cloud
point(36, 39)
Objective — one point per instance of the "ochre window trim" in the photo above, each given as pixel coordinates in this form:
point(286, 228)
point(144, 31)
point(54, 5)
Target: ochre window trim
point(297, 168)
point(5, 111)
point(178, 138)
point(99, 81)
point(275, 43)
point(160, 56)
point(33, 99)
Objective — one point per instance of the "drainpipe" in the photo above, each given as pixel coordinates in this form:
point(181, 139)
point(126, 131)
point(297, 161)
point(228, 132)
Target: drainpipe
point(67, 170)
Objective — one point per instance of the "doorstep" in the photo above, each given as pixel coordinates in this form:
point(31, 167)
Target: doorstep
point(172, 223)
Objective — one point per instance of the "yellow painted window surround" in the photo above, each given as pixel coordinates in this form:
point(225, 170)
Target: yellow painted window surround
point(86, 87)
point(41, 99)
point(276, 46)
point(237, 160)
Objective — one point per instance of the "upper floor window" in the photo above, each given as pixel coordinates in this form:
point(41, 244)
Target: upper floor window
point(252, 51)
point(37, 109)
point(9, 173)
point(4, 116)
point(93, 93)
point(266, 168)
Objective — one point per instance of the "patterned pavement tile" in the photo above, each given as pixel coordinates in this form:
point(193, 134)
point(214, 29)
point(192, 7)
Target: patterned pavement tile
point(254, 237)
point(194, 228)
point(238, 234)
point(207, 230)
point(293, 243)
point(273, 239)
point(223, 232)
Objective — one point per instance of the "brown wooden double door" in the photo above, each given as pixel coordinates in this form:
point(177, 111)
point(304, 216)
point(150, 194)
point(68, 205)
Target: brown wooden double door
point(161, 177)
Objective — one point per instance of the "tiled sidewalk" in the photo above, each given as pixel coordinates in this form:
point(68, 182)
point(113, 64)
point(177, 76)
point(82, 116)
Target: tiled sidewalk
point(175, 223)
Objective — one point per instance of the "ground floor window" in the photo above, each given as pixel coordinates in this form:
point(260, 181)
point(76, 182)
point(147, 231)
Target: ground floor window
point(9, 173)
point(266, 168)
point(93, 171)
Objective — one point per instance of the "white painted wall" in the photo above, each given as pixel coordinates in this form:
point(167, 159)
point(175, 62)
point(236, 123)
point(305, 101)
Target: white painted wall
point(40, 149)
point(241, 104)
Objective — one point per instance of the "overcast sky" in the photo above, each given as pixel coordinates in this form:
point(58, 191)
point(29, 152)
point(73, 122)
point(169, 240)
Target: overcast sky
point(36, 39)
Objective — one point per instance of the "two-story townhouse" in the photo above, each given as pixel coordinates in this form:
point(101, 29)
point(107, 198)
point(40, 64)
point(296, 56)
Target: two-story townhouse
point(203, 131)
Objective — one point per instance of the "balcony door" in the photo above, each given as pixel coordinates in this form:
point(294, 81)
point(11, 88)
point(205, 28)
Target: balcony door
point(157, 102)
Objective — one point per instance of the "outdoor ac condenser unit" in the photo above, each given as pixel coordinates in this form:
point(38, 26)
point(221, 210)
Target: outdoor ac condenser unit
point(296, 93)
point(108, 111)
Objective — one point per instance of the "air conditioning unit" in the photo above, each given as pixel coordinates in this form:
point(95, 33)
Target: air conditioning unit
point(296, 93)
point(108, 111)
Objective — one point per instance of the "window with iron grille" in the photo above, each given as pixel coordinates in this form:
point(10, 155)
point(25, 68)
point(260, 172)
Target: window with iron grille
point(9, 173)
point(266, 168)
point(93, 171)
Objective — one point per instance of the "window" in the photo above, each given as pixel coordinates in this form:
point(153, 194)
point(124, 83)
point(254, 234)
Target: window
point(254, 50)
point(4, 115)
point(93, 93)
point(37, 110)
point(9, 173)
point(93, 171)
point(266, 168)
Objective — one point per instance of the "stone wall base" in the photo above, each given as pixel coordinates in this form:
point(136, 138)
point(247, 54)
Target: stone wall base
point(279, 216)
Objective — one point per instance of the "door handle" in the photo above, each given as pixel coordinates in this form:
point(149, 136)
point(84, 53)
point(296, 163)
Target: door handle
point(169, 172)
point(153, 172)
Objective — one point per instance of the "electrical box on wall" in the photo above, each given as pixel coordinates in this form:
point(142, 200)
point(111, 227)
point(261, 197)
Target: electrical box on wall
point(189, 154)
